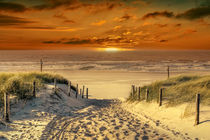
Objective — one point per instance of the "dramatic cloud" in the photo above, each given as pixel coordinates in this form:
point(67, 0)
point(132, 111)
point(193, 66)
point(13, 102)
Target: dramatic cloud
point(12, 7)
point(11, 20)
point(195, 13)
point(102, 23)
point(52, 4)
point(99, 6)
point(158, 14)
point(101, 41)
point(191, 14)
point(73, 41)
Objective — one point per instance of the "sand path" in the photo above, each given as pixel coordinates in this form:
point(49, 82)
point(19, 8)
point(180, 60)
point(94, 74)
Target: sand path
point(52, 116)
point(103, 120)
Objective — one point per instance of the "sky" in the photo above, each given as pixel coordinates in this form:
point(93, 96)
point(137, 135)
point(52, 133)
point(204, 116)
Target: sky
point(101, 24)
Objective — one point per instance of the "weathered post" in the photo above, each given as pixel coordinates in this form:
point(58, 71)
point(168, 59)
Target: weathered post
point(139, 93)
point(147, 95)
point(160, 96)
point(54, 85)
point(80, 92)
point(41, 63)
point(83, 91)
point(133, 90)
point(87, 93)
point(34, 89)
point(77, 90)
point(6, 107)
point(69, 88)
point(197, 109)
point(168, 72)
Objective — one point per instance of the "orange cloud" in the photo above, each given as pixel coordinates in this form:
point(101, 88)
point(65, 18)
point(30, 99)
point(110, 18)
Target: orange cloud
point(6, 20)
point(124, 18)
point(99, 23)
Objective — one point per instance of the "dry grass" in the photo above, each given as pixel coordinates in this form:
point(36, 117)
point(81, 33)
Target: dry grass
point(178, 90)
point(189, 110)
point(20, 84)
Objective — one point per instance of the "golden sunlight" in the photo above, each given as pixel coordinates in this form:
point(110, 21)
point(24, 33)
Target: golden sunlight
point(112, 49)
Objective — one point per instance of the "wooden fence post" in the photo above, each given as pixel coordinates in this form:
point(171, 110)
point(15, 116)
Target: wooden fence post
point(160, 96)
point(55, 85)
point(34, 89)
point(77, 90)
point(83, 91)
point(133, 90)
point(87, 93)
point(197, 109)
point(147, 94)
point(6, 107)
point(41, 63)
point(69, 88)
point(139, 93)
point(168, 72)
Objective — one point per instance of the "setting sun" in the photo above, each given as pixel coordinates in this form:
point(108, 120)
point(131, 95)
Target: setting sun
point(111, 49)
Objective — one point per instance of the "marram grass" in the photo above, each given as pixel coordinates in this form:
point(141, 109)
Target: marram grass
point(178, 90)
point(21, 84)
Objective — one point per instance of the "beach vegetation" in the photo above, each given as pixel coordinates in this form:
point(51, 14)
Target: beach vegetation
point(176, 90)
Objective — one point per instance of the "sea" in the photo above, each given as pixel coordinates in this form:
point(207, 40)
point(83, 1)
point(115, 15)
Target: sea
point(139, 61)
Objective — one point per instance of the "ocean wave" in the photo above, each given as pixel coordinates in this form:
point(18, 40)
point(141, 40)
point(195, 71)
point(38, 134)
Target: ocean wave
point(141, 66)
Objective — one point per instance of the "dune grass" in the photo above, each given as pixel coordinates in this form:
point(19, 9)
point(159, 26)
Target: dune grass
point(20, 84)
point(178, 90)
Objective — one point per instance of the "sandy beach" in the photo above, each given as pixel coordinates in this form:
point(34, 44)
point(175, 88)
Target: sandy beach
point(105, 115)
point(63, 117)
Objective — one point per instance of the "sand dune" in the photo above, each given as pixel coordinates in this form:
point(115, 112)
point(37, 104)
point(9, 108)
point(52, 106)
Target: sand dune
point(173, 119)
point(51, 116)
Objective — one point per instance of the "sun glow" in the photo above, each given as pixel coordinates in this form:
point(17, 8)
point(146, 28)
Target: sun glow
point(112, 49)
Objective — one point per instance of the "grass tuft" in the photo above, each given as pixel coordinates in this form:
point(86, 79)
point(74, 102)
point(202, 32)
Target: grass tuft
point(178, 90)
point(21, 84)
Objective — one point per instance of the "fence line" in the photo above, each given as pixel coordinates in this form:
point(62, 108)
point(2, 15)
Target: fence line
point(6, 114)
point(160, 100)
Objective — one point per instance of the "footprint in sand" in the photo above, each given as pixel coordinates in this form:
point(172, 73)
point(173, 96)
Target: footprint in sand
point(103, 122)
